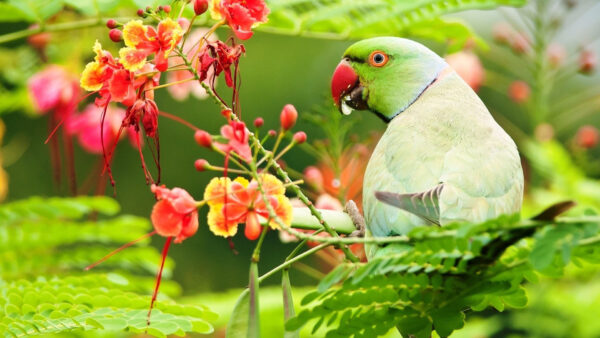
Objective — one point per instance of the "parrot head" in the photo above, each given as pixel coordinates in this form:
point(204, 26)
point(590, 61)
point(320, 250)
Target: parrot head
point(384, 75)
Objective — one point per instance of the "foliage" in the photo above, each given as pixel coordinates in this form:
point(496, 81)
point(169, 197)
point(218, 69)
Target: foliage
point(52, 237)
point(426, 286)
point(90, 303)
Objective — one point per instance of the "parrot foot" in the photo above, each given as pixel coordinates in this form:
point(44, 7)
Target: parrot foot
point(359, 222)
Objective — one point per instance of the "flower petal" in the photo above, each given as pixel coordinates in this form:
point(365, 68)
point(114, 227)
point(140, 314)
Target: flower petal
point(253, 228)
point(216, 222)
point(283, 209)
point(132, 59)
point(134, 33)
point(92, 77)
point(271, 185)
point(166, 221)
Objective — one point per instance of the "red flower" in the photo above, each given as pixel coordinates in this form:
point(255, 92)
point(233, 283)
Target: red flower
point(54, 89)
point(519, 91)
point(219, 57)
point(237, 135)
point(114, 83)
point(242, 15)
point(87, 127)
point(142, 41)
point(175, 213)
point(587, 136)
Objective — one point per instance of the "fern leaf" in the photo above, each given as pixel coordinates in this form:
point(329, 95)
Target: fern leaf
point(91, 302)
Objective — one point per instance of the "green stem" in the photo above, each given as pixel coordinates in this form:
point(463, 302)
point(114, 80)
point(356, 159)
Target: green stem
point(292, 261)
point(57, 27)
point(256, 253)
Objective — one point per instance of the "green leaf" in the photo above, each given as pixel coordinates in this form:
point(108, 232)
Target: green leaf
point(237, 327)
point(253, 303)
point(92, 309)
point(288, 302)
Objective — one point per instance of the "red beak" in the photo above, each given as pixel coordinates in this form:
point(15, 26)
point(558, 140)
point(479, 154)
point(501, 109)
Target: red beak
point(344, 79)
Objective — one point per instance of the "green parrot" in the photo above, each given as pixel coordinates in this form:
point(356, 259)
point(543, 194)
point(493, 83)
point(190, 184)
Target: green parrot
point(443, 158)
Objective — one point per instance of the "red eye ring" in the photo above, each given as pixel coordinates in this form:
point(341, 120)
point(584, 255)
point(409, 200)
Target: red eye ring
point(378, 58)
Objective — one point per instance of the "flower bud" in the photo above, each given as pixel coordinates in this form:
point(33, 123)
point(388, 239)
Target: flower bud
point(166, 8)
point(200, 6)
point(184, 23)
point(587, 136)
point(201, 164)
point(115, 35)
point(111, 23)
point(226, 113)
point(519, 91)
point(587, 61)
point(258, 122)
point(520, 43)
point(299, 137)
point(272, 133)
point(203, 138)
point(288, 117)
point(314, 177)
point(140, 13)
point(556, 55)
point(502, 32)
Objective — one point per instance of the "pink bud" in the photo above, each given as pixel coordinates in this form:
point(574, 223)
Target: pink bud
point(166, 8)
point(258, 122)
point(587, 61)
point(184, 23)
point(288, 117)
point(111, 23)
point(201, 164)
point(203, 138)
point(502, 32)
point(272, 133)
point(587, 136)
point(300, 137)
point(314, 177)
point(556, 55)
point(115, 35)
point(200, 6)
point(468, 67)
point(520, 43)
point(519, 91)
point(140, 13)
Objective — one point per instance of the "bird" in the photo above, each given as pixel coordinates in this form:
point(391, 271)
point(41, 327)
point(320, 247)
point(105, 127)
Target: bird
point(442, 158)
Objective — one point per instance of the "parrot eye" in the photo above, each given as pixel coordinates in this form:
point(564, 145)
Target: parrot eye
point(378, 59)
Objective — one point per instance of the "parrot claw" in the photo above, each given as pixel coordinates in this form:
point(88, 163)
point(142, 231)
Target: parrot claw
point(359, 222)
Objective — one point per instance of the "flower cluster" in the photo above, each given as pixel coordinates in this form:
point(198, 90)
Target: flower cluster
point(241, 16)
point(240, 201)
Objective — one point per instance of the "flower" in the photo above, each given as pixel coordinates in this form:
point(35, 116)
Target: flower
point(587, 61)
point(87, 127)
point(142, 41)
point(241, 15)
point(114, 83)
point(587, 136)
point(219, 57)
point(54, 88)
point(175, 213)
point(518, 91)
point(181, 91)
point(240, 201)
point(468, 67)
point(237, 135)
point(146, 112)
point(556, 54)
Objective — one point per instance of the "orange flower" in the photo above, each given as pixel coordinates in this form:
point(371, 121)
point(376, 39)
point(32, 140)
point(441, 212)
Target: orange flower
point(241, 15)
point(175, 213)
point(244, 203)
point(142, 41)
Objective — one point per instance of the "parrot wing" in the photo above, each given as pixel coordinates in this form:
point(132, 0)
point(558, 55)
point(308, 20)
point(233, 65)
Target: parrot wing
point(424, 204)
